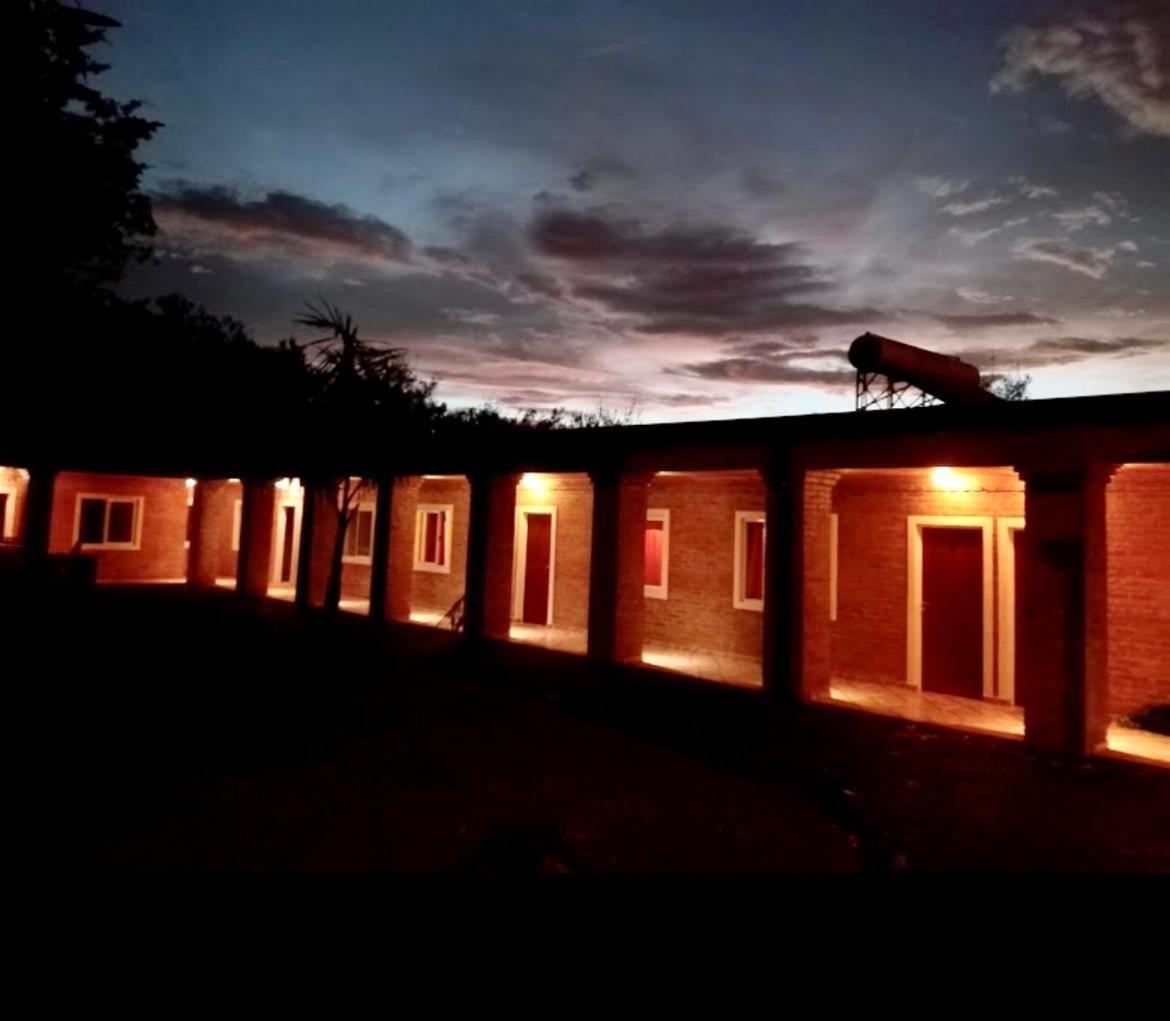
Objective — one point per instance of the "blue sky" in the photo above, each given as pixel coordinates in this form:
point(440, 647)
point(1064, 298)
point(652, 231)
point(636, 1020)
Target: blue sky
point(692, 207)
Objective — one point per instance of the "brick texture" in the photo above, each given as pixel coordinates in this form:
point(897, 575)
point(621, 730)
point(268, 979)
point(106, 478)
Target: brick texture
point(698, 611)
point(434, 591)
point(162, 554)
point(1138, 522)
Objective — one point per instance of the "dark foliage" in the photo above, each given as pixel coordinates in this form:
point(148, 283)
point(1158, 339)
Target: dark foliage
point(80, 217)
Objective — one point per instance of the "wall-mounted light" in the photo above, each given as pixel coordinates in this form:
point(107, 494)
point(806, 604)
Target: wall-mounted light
point(537, 485)
point(190, 483)
point(947, 479)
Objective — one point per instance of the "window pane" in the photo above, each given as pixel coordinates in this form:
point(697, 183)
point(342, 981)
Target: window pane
point(365, 530)
point(653, 553)
point(121, 526)
point(441, 538)
point(753, 571)
point(350, 538)
point(431, 541)
point(93, 521)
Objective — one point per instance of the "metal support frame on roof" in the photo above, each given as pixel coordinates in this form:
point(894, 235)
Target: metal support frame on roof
point(875, 390)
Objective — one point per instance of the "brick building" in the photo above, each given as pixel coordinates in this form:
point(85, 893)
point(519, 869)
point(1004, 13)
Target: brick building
point(1001, 563)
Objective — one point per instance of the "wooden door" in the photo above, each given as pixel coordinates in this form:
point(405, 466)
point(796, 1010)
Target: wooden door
point(952, 611)
point(537, 568)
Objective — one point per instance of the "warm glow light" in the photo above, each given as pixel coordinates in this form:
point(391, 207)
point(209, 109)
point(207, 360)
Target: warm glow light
point(283, 483)
point(190, 483)
point(537, 485)
point(947, 479)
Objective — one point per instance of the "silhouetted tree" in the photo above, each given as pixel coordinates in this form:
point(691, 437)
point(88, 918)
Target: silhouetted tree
point(361, 393)
point(1010, 386)
point(80, 216)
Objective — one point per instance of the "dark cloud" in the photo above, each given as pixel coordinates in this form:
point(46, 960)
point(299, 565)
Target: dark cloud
point(1118, 52)
point(1049, 351)
point(279, 223)
point(583, 180)
point(965, 323)
point(774, 364)
point(698, 280)
point(759, 185)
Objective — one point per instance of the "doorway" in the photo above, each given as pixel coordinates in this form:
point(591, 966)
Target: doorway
point(952, 611)
point(950, 605)
point(534, 565)
point(286, 551)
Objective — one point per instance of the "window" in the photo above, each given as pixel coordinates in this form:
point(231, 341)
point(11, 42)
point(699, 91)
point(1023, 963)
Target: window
point(749, 560)
point(657, 553)
point(432, 538)
point(359, 535)
point(108, 522)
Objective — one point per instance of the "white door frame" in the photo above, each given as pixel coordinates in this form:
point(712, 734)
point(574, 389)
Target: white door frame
point(914, 525)
point(520, 556)
point(8, 521)
point(1006, 614)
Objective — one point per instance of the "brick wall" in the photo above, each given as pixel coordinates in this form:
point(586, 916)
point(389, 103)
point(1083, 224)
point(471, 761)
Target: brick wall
point(162, 553)
point(431, 590)
point(572, 495)
point(227, 559)
point(698, 611)
point(14, 484)
point(1138, 529)
point(869, 635)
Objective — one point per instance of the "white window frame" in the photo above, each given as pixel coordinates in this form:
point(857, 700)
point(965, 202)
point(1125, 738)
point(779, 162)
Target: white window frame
point(738, 600)
point(237, 524)
point(659, 591)
point(8, 524)
point(420, 535)
point(362, 558)
point(135, 543)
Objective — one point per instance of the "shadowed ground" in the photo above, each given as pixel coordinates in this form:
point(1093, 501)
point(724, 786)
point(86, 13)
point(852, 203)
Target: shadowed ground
point(180, 731)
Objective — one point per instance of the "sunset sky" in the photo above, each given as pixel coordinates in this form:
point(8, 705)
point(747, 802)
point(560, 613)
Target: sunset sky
point(692, 206)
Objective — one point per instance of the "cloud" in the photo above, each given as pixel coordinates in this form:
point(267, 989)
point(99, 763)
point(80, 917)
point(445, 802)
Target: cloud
point(709, 281)
point(978, 297)
point(1032, 191)
point(280, 223)
point(975, 205)
point(1048, 351)
point(1085, 216)
point(965, 323)
point(973, 237)
point(777, 371)
point(1092, 262)
point(940, 187)
point(1119, 53)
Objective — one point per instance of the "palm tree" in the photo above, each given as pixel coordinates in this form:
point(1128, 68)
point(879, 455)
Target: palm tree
point(362, 390)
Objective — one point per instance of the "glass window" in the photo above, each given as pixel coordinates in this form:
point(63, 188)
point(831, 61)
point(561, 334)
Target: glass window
point(359, 535)
point(433, 539)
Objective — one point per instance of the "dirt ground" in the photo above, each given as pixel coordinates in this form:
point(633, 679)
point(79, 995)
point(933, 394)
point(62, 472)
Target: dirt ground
point(176, 731)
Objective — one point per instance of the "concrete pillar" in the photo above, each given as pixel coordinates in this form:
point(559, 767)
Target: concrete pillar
point(38, 511)
point(211, 516)
point(380, 553)
point(305, 546)
point(490, 540)
point(254, 566)
point(1061, 612)
point(399, 571)
point(616, 566)
point(797, 636)
point(318, 534)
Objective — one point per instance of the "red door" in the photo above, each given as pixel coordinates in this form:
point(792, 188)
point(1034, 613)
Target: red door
point(952, 611)
point(537, 562)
